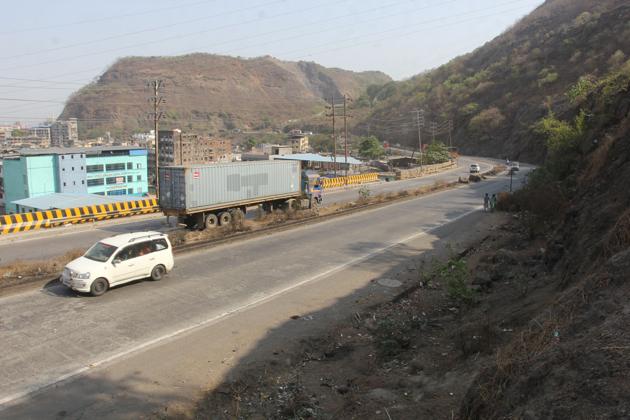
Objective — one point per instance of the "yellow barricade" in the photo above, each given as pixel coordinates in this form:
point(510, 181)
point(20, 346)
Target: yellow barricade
point(23, 222)
point(342, 181)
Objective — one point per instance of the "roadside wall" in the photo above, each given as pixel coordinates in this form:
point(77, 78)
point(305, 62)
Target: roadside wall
point(426, 170)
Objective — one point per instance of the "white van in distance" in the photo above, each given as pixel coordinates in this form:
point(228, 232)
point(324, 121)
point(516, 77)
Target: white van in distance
point(120, 259)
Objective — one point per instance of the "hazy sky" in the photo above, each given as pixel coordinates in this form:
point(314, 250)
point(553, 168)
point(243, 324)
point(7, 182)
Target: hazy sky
point(61, 45)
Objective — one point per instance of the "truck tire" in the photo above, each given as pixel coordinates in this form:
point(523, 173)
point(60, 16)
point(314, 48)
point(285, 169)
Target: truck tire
point(99, 287)
point(211, 221)
point(225, 218)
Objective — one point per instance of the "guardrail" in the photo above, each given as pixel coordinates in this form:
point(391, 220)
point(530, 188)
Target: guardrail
point(342, 181)
point(23, 222)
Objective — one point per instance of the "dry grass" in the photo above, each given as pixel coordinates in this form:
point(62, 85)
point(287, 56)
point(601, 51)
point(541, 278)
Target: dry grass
point(618, 238)
point(34, 268)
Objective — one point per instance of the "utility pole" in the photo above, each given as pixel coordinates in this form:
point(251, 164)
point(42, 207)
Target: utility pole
point(450, 134)
point(433, 130)
point(420, 124)
point(345, 129)
point(156, 100)
point(332, 104)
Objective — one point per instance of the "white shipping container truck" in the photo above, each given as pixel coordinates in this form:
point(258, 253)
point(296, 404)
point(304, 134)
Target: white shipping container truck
point(205, 196)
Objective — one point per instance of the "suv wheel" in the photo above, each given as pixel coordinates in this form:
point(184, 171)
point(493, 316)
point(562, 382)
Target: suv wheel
point(99, 287)
point(158, 273)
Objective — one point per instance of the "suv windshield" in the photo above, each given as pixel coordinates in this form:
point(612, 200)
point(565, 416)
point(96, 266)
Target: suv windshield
point(100, 252)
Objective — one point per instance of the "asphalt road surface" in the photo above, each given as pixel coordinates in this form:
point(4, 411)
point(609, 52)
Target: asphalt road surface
point(50, 335)
point(42, 244)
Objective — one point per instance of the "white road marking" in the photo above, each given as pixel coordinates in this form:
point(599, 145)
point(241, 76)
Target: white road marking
point(15, 398)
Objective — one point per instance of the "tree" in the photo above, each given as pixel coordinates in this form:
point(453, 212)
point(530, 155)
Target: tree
point(321, 143)
point(250, 143)
point(436, 153)
point(487, 120)
point(370, 147)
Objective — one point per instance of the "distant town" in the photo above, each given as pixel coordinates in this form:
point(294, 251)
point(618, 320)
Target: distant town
point(42, 166)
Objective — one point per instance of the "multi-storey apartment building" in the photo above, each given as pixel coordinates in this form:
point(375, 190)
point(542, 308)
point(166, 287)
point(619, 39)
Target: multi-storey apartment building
point(64, 133)
point(177, 148)
point(97, 170)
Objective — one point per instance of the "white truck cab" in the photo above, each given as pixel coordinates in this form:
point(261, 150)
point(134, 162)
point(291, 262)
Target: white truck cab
point(120, 259)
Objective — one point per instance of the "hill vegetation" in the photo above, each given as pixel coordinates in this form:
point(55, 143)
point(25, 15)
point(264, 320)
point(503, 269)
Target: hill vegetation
point(498, 94)
point(211, 93)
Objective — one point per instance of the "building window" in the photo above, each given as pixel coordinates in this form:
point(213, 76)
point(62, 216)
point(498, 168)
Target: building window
point(139, 178)
point(95, 182)
point(64, 184)
point(129, 178)
point(138, 166)
point(130, 191)
point(117, 192)
point(81, 167)
point(83, 182)
point(63, 169)
point(129, 165)
point(63, 157)
point(73, 168)
point(115, 180)
point(115, 167)
point(94, 168)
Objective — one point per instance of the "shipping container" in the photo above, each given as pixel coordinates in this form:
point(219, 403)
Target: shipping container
point(186, 190)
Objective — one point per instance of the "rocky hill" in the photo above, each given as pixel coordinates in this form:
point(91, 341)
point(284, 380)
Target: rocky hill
point(496, 94)
point(211, 93)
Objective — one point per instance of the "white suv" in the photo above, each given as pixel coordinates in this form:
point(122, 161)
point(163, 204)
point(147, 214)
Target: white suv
point(120, 259)
point(475, 168)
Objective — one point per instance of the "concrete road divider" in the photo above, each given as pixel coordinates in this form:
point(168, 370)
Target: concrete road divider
point(23, 222)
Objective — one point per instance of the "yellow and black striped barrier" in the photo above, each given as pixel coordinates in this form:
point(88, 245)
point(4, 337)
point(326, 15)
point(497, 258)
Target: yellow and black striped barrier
point(22, 222)
point(342, 181)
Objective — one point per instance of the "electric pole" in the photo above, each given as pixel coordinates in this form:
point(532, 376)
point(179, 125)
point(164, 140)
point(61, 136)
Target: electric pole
point(332, 104)
point(345, 129)
point(450, 134)
point(156, 100)
point(420, 124)
point(433, 130)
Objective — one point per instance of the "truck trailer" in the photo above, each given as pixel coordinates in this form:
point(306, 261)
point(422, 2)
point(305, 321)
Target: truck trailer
point(206, 196)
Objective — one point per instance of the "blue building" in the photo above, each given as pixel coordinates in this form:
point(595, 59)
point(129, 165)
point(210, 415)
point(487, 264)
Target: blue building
point(111, 171)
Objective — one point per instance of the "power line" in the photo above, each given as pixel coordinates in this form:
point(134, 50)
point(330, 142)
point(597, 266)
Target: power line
point(411, 32)
point(152, 29)
point(102, 19)
point(170, 38)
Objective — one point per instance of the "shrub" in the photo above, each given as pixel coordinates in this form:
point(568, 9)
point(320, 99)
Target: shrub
point(487, 119)
point(454, 273)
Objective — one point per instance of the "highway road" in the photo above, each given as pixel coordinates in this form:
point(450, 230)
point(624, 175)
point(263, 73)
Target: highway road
point(39, 245)
point(51, 338)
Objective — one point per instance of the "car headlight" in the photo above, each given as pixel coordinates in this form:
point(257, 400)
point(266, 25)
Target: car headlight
point(82, 276)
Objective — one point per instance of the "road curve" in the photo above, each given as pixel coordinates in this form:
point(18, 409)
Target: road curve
point(43, 244)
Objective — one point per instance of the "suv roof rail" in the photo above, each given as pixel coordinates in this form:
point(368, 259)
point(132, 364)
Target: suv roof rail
point(144, 236)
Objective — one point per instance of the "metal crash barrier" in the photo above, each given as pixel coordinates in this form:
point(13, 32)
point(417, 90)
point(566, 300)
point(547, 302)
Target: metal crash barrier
point(22, 222)
point(342, 181)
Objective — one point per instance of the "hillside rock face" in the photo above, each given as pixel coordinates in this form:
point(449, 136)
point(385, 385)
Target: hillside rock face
point(211, 93)
point(496, 94)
